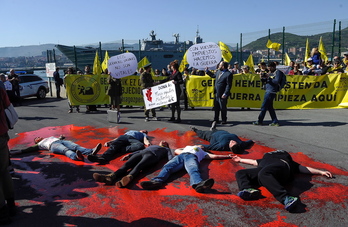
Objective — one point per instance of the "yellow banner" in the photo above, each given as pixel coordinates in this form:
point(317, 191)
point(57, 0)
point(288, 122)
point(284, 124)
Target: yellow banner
point(300, 92)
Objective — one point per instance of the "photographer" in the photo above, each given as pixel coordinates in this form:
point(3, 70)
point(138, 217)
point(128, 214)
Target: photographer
point(271, 85)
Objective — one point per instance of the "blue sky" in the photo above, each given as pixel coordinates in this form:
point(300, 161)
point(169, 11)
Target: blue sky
point(77, 22)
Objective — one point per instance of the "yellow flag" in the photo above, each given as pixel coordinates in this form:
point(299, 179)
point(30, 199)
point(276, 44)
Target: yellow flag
point(183, 63)
point(322, 50)
point(287, 60)
point(97, 70)
point(274, 46)
point(105, 62)
point(307, 52)
point(144, 62)
point(225, 52)
point(250, 63)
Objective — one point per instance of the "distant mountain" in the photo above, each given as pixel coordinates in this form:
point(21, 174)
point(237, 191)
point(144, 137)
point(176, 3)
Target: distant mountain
point(297, 41)
point(27, 51)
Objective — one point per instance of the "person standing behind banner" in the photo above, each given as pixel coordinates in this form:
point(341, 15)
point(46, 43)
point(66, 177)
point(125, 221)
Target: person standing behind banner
point(89, 107)
point(146, 81)
point(271, 81)
point(57, 82)
point(115, 93)
point(223, 84)
point(7, 202)
point(70, 71)
point(176, 78)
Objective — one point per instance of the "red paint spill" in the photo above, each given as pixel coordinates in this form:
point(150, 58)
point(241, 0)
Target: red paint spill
point(177, 203)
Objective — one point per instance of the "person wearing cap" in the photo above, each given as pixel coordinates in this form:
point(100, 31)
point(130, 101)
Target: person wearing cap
point(187, 158)
point(222, 90)
point(137, 162)
point(309, 67)
point(59, 145)
point(336, 68)
point(129, 142)
point(236, 69)
point(221, 140)
point(146, 81)
point(274, 170)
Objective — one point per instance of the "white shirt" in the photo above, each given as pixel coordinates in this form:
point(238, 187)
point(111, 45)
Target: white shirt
point(45, 144)
point(199, 152)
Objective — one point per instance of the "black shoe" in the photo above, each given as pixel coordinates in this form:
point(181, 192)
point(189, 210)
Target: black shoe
point(150, 185)
point(171, 119)
point(96, 149)
point(79, 156)
point(206, 184)
point(193, 128)
point(94, 158)
point(177, 120)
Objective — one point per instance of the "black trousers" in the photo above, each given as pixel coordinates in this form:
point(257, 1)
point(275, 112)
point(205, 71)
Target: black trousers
point(272, 177)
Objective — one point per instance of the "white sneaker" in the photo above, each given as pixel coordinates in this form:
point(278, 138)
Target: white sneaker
point(154, 118)
point(146, 119)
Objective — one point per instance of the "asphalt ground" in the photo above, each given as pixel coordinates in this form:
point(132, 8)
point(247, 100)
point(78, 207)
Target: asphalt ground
point(52, 190)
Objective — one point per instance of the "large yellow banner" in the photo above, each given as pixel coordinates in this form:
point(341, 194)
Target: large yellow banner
point(300, 92)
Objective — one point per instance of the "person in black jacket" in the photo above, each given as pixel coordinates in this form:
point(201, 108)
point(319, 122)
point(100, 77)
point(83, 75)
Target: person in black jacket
point(137, 161)
point(223, 84)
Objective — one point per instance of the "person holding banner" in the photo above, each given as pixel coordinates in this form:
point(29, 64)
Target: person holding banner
point(271, 80)
point(176, 78)
point(223, 84)
point(146, 81)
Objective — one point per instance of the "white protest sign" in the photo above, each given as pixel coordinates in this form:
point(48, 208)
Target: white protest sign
point(159, 95)
point(50, 69)
point(203, 55)
point(122, 65)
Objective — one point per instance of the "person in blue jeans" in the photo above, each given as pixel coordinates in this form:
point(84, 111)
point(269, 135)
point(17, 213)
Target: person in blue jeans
point(271, 82)
point(188, 158)
point(60, 146)
point(129, 142)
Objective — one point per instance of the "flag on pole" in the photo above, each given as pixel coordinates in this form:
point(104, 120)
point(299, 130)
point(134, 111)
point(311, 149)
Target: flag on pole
point(105, 62)
point(322, 50)
point(274, 46)
point(307, 52)
point(225, 52)
point(183, 63)
point(97, 70)
point(287, 60)
point(250, 62)
point(144, 62)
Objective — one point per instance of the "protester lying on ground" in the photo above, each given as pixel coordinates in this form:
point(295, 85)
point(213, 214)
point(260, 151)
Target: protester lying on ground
point(60, 146)
point(129, 142)
point(273, 171)
point(188, 158)
point(137, 161)
point(221, 140)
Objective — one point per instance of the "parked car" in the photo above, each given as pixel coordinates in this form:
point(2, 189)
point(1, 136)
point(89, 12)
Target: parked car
point(33, 85)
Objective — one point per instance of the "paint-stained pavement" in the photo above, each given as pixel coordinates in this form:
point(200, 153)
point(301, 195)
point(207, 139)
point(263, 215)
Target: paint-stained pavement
point(52, 190)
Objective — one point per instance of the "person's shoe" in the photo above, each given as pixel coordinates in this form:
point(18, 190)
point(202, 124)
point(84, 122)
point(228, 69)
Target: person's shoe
point(79, 156)
point(223, 122)
point(206, 184)
point(99, 177)
point(249, 194)
point(213, 126)
point(154, 119)
point(150, 185)
point(70, 111)
point(124, 181)
point(96, 149)
point(274, 124)
point(193, 128)
point(177, 120)
point(94, 158)
point(118, 117)
point(78, 110)
point(108, 179)
point(171, 119)
point(257, 123)
point(146, 119)
point(290, 202)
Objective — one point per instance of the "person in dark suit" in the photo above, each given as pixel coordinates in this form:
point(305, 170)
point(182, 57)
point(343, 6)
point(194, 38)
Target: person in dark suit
point(223, 84)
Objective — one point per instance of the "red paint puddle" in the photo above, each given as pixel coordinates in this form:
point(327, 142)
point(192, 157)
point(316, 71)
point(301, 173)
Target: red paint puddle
point(176, 202)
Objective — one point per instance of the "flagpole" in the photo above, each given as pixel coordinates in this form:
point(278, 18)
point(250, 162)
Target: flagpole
point(269, 38)
point(333, 40)
point(241, 48)
point(283, 46)
point(339, 39)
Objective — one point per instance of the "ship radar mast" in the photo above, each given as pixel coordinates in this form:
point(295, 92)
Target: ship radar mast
point(176, 35)
point(198, 39)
